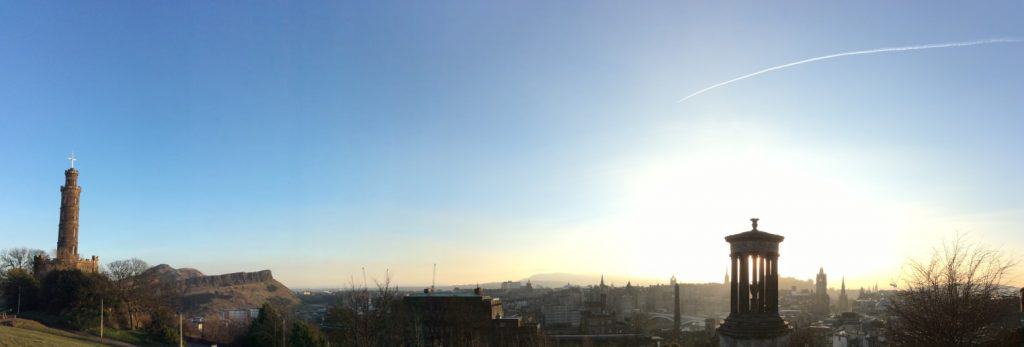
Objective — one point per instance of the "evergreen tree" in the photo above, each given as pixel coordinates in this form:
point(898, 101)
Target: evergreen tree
point(19, 285)
point(267, 329)
point(304, 335)
point(75, 296)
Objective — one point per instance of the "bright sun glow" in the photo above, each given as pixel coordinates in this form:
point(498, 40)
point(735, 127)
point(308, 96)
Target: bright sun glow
point(678, 205)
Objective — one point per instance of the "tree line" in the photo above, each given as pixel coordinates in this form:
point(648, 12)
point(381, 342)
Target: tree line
point(74, 299)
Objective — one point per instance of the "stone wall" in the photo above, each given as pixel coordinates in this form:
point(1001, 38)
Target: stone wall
point(42, 265)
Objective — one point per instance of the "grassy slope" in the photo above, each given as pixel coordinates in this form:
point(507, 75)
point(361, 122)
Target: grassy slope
point(10, 336)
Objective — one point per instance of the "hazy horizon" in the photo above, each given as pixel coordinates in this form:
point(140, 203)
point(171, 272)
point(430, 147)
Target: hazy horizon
point(504, 140)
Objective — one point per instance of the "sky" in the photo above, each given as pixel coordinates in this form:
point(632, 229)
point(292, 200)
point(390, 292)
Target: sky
point(502, 140)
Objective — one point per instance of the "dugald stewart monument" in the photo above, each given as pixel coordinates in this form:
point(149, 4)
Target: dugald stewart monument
point(67, 231)
point(754, 319)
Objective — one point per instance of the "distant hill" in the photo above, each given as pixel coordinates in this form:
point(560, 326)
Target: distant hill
point(549, 280)
point(166, 273)
point(560, 279)
point(207, 295)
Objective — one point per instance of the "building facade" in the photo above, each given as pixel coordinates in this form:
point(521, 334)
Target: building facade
point(463, 319)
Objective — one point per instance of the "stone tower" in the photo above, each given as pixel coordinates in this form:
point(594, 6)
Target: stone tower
point(821, 282)
point(67, 230)
point(821, 299)
point(754, 292)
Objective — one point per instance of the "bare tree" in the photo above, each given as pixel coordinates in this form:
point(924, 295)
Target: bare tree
point(365, 317)
point(131, 290)
point(956, 298)
point(119, 270)
point(18, 258)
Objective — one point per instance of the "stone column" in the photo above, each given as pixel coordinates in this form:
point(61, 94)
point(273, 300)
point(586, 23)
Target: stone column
point(755, 303)
point(757, 284)
point(753, 283)
point(744, 295)
point(761, 297)
point(773, 284)
point(733, 300)
point(769, 282)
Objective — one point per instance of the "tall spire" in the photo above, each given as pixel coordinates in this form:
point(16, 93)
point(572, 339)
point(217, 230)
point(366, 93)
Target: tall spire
point(676, 318)
point(602, 280)
point(844, 302)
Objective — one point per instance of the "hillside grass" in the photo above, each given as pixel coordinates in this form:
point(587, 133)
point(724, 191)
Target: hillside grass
point(10, 336)
point(26, 327)
point(134, 337)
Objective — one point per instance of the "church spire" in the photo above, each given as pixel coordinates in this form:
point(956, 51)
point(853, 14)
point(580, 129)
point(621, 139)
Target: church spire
point(844, 301)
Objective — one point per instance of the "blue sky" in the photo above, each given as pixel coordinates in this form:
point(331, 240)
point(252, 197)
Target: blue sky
point(503, 140)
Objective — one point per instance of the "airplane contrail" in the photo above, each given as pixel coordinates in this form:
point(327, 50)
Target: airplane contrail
point(869, 51)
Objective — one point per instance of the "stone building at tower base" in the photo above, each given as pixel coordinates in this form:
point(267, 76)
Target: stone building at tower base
point(42, 265)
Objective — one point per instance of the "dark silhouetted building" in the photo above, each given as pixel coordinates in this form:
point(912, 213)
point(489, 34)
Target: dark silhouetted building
point(821, 299)
point(596, 316)
point(754, 292)
point(463, 319)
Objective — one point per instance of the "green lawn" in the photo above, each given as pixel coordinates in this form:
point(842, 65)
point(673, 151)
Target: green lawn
point(22, 337)
point(128, 336)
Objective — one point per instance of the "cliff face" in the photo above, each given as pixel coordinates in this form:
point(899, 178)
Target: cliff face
point(204, 295)
point(237, 278)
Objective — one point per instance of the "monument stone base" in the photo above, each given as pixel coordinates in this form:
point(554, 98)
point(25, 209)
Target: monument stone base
point(777, 341)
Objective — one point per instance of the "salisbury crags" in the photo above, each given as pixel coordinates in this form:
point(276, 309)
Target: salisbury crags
point(209, 295)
